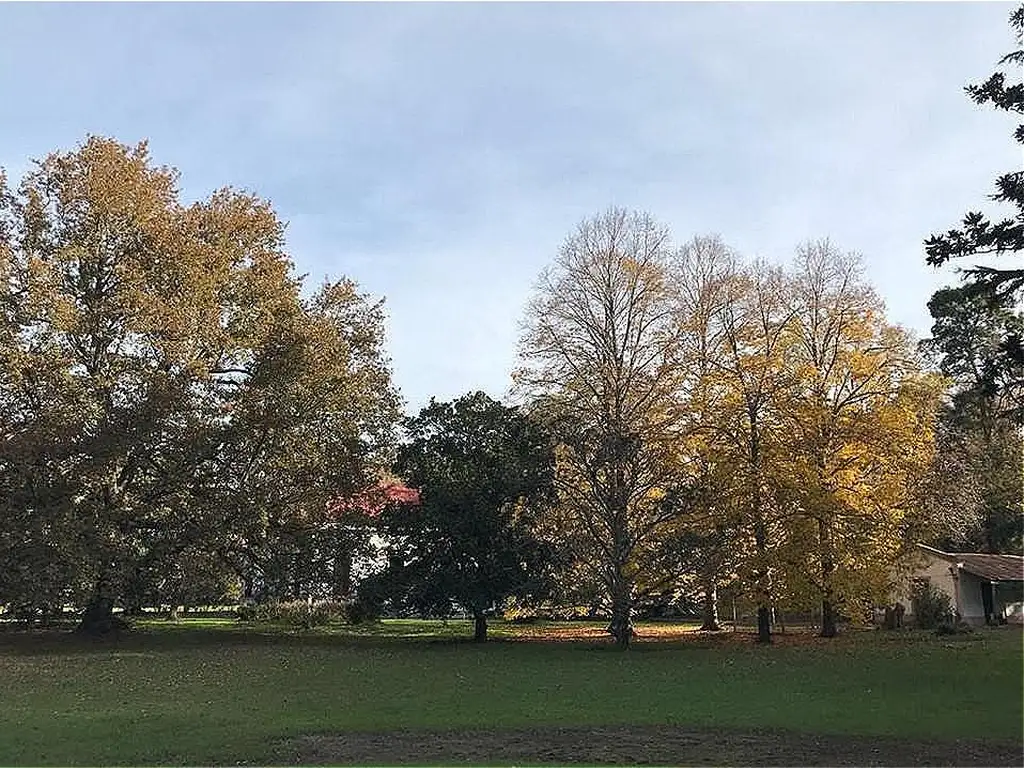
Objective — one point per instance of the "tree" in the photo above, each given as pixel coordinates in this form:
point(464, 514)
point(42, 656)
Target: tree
point(598, 351)
point(756, 377)
point(165, 389)
point(484, 471)
point(703, 272)
point(998, 287)
point(311, 424)
point(979, 448)
point(862, 422)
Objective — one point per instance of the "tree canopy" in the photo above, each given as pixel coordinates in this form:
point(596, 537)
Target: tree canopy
point(989, 289)
point(484, 472)
point(168, 399)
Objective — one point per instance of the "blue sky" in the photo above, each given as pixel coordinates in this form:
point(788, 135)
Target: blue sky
point(439, 154)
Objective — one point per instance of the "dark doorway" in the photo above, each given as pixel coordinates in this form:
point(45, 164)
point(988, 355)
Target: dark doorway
point(988, 602)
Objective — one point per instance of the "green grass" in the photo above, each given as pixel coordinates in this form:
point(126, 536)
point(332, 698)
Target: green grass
point(214, 691)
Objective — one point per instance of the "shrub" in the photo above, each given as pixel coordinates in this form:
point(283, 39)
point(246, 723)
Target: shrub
point(953, 625)
point(360, 611)
point(296, 613)
point(931, 607)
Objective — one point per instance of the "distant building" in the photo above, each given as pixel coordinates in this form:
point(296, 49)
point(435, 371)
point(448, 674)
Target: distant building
point(983, 588)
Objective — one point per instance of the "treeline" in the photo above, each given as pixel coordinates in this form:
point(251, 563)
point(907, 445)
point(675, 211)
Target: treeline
point(182, 421)
point(182, 426)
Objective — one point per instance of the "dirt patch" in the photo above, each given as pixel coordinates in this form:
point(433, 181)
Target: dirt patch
point(649, 745)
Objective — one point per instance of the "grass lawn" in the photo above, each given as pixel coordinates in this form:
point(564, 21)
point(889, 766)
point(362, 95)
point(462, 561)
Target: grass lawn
point(216, 692)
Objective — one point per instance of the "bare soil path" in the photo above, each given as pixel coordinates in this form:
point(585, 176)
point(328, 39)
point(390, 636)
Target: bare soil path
point(648, 745)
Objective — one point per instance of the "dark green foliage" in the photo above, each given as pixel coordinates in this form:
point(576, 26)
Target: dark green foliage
point(977, 345)
point(295, 613)
point(484, 471)
point(978, 504)
point(931, 607)
point(995, 289)
point(361, 611)
point(953, 626)
point(979, 235)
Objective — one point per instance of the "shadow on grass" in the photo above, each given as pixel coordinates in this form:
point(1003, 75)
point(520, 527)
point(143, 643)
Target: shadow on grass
point(156, 635)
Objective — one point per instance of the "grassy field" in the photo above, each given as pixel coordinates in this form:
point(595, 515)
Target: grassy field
point(216, 692)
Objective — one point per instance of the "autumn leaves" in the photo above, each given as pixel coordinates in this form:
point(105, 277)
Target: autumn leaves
point(772, 413)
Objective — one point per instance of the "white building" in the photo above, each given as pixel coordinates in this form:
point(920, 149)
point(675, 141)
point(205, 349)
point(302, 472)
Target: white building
point(983, 588)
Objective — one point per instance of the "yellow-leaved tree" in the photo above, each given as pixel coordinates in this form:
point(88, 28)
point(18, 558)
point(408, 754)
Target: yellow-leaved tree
point(860, 422)
point(168, 399)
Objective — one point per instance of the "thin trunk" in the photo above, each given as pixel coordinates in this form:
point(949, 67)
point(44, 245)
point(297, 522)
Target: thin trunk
point(621, 627)
point(764, 626)
point(764, 617)
point(479, 627)
point(621, 586)
point(828, 619)
point(343, 575)
point(828, 614)
point(710, 607)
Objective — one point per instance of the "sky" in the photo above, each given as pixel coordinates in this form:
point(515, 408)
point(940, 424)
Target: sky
point(439, 154)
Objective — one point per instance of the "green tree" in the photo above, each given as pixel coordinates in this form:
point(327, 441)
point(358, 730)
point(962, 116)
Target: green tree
point(310, 421)
point(979, 448)
point(997, 288)
point(484, 471)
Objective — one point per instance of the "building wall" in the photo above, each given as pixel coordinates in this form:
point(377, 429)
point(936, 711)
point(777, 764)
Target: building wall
point(964, 591)
point(972, 608)
point(936, 571)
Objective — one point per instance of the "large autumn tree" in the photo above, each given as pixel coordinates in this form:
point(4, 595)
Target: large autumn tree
point(598, 348)
point(810, 426)
point(165, 389)
point(732, 373)
point(484, 472)
point(861, 419)
point(701, 273)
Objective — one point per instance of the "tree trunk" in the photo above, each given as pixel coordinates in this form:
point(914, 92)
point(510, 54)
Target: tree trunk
point(621, 627)
point(828, 619)
point(710, 607)
point(764, 624)
point(764, 611)
point(342, 574)
point(98, 619)
point(828, 614)
point(479, 627)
